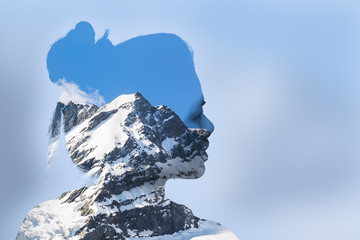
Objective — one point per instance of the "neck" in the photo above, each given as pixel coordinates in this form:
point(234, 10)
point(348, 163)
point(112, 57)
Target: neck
point(129, 196)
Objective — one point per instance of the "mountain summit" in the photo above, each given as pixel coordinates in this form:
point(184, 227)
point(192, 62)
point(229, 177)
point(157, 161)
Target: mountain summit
point(132, 148)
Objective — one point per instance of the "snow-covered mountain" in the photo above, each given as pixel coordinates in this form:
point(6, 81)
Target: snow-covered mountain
point(132, 148)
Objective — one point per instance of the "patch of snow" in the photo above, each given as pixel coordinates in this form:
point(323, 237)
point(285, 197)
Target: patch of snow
point(145, 233)
point(52, 148)
point(168, 144)
point(47, 221)
point(208, 230)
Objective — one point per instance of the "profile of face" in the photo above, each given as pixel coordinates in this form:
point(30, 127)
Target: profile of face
point(161, 68)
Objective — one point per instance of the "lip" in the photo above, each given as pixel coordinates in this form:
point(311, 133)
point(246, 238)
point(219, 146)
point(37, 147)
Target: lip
point(204, 156)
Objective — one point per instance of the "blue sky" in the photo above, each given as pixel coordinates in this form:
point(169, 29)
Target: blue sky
point(160, 66)
point(281, 84)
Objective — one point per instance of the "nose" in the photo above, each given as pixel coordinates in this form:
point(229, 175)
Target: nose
point(205, 123)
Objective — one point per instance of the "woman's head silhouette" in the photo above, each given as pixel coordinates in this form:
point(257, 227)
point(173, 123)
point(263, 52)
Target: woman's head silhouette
point(131, 145)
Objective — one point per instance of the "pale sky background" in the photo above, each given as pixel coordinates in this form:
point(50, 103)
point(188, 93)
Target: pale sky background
point(281, 82)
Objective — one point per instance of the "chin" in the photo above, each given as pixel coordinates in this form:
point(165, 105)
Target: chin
point(197, 169)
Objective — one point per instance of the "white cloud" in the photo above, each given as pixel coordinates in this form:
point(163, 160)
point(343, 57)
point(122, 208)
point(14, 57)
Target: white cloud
point(73, 93)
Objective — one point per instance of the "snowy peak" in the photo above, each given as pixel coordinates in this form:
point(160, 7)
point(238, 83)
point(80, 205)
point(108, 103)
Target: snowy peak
point(138, 136)
point(125, 99)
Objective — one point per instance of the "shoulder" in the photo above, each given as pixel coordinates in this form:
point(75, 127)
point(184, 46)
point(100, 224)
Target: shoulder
point(213, 231)
point(49, 219)
point(206, 230)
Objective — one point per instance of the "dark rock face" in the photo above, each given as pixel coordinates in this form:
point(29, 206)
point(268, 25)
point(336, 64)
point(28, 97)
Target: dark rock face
point(55, 125)
point(72, 115)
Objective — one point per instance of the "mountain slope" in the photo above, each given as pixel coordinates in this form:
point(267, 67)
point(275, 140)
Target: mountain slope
point(132, 148)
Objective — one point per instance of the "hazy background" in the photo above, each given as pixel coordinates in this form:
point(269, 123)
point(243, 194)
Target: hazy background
point(281, 82)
